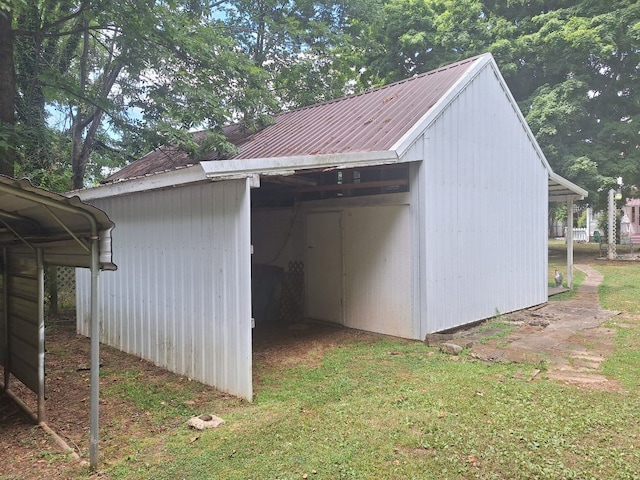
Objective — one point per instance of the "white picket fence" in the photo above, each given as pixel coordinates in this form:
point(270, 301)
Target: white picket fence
point(580, 235)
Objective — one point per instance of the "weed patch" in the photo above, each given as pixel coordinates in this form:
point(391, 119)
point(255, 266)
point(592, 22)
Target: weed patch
point(494, 329)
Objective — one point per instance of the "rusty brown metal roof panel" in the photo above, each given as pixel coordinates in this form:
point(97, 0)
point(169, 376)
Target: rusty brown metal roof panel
point(370, 121)
point(169, 158)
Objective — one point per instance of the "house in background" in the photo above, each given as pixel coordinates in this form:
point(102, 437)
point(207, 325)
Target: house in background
point(410, 209)
point(632, 210)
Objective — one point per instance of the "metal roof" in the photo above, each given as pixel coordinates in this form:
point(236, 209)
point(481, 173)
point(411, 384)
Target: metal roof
point(31, 217)
point(371, 121)
point(561, 189)
point(360, 129)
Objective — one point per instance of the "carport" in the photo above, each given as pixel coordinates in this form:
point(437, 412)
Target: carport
point(40, 228)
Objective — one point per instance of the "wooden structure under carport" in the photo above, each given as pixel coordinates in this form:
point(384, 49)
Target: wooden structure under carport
point(39, 228)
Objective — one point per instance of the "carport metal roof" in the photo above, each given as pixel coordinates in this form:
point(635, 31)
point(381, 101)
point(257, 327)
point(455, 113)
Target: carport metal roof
point(54, 230)
point(31, 217)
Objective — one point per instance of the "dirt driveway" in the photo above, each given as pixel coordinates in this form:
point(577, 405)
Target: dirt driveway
point(566, 336)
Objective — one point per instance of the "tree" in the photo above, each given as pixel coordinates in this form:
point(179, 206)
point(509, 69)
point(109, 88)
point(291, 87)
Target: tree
point(584, 111)
point(111, 72)
point(41, 45)
point(570, 64)
point(295, 42)
point(8, 87)
point(169, 66)
point(409, 37)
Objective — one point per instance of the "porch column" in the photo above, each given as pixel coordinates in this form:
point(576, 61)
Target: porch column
point(570, 243)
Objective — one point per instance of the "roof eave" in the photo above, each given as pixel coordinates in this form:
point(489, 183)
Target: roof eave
point(566, 189)
point(238, 167)
point(154, 181)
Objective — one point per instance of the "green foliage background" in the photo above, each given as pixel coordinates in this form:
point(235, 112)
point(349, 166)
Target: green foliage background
point(180, 65)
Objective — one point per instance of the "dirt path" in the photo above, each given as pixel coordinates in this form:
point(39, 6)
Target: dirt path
point(567, 336)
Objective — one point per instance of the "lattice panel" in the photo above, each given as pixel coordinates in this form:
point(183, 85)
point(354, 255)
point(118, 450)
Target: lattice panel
point(66, 287)
point(67, 278)
point(292, 300)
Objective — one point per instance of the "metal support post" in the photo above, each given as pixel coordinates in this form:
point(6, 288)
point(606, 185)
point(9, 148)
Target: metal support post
point(95, 355)
point(5, 314)
point(41, 386)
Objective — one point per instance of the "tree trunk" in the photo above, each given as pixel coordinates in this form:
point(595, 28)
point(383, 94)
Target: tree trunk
point(30, 104)
point(85, 123)
point(79, 119)
point(7, 96)
point(82, 149)
point(77, 168)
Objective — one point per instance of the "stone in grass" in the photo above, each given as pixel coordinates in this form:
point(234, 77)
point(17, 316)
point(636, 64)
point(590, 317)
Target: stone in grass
point(538, 322)
point(451, 348)
point(435, 339)
point(205, 421)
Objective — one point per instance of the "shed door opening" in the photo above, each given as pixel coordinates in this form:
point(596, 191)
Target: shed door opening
point(324, 269)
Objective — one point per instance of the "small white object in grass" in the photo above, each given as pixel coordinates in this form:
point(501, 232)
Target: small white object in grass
point(205, 421)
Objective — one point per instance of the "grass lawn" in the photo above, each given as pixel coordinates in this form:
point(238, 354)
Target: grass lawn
point(621, 291)
point(393, 409)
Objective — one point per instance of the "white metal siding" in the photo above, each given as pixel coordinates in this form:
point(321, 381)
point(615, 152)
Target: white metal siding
point(485, 211)
point(180, 297)
point(377, 264)
point(366, 254)
point(376, 261)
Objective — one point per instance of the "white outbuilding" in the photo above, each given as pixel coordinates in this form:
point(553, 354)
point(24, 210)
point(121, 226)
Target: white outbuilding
point(410, 209)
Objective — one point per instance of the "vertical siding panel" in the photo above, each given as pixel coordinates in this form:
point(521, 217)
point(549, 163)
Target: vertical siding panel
point(180, 297)
point(196, 279)
point(182, 262)
point(377, 269)
point(82, 299)
point(143, 332)
point(114, 325)
point(161, 269)
point(157, 294)
point(111, 333)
